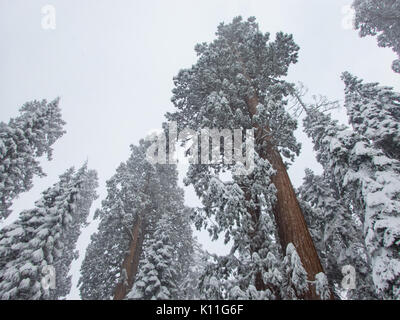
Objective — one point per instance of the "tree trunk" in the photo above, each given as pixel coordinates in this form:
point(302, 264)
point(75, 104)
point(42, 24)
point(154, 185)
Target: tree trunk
point(292, 227)
point(131, 261)
point(290, 221)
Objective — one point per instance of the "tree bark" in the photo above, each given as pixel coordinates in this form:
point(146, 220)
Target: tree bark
point(131, 261)
point(290, 221)
point(289, 218)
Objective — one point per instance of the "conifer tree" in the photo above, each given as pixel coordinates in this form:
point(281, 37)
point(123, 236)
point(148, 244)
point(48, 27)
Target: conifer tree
point(121, 223)
point(337, 233)
point(369, 183)
point(73, 231)
point(44, 238)
point(168, 250)
point(196, 263)
point(380, 18)
point(156, 279)
point(237, 83)
point(142, 221)
point(374, 112)
point(22, 141)
point(295, 274)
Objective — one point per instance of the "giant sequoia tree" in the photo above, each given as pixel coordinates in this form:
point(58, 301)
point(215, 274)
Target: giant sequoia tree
point(22, 141)
point(143, 233)
point(45, 237)
point(237, 83)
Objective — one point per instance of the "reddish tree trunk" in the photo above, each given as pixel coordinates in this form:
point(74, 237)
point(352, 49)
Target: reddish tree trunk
point(289, 218)
point(290, 221)
point(131, 261)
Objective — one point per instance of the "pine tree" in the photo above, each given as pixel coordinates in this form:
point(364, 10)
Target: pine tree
point(369, 183)
point(44, 238)
point(236, 83)
point(380, 18)
point(338, 235)
point(22, 141)
point(141, 199)
point(374, 112)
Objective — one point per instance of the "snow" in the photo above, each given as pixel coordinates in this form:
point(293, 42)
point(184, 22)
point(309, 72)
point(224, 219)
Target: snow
point(322, 286)
point(16, 232)
point(38, 255)
point(391, 227)
point(24, 284)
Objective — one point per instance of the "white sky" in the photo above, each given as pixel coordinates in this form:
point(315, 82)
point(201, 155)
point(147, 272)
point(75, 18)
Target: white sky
point(112, 63)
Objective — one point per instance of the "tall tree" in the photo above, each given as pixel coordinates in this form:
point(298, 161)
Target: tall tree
point(22, 141)
point(72, 232)
point(374, 112)
point(141, 197)
point(157, 276)
point(380, 18)
point(169, 246)
point(337, 234)
point(369, 183)
point(121, 230)
point(236, 83)
point(44, 238)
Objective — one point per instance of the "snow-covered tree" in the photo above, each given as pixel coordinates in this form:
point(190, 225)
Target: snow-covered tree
point(337, 233)
point(143, 225)
point(44, 239)
point(296, 276)
point(22, 141)
point(368, 182)
point(127, 198)
point(195, 263)
point(72, 232)
point(237, 83)
point(380, 18)
point(156, 279)
point(247, 221)
point(168, 250)
point(374, 112)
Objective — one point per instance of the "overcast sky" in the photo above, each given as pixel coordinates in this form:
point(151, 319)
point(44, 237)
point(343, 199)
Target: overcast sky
point(112, 63)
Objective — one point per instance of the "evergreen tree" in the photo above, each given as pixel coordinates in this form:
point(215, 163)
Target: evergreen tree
point(44, 238)
point(156, 279)
point(141, 192)
point(195, 264)
point(168, 251)
point(255, 256)
point(73, 231)
point(369, 183)
point(380, 18)
point(295, 274)
point(337, 234)
point(374, 112)
point(22, 141)
point(236, 83)
point(127, 202)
